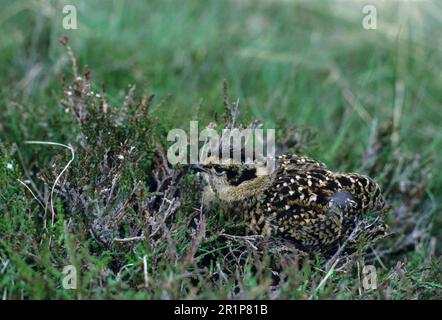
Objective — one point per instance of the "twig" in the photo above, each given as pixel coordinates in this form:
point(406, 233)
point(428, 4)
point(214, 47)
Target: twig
point(64, 41)
point(247, 239)
point(118, 277)
point(146, 276)
point(130, 239)
point(323, 281)
point(29, 189)
point(62, 171)
point(336, 258)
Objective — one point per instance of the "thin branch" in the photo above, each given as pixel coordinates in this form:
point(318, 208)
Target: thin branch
point(35, 197)
point(62, 171)
point(130, 239)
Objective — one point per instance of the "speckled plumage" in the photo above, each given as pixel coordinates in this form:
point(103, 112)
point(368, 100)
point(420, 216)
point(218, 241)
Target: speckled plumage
point(301, 201)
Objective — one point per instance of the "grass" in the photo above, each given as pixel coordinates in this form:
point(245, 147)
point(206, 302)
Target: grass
point(369, 100)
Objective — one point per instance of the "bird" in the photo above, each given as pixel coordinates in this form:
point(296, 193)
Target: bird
point(301, 201)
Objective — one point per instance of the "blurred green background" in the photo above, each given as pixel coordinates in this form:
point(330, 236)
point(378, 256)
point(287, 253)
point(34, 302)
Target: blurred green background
point(302, 63)
point(309, 61)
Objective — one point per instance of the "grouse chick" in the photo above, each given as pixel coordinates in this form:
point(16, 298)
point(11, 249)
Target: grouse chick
point(300, 201)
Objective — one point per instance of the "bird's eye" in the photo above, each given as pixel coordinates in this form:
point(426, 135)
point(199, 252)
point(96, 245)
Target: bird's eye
point(218, 169)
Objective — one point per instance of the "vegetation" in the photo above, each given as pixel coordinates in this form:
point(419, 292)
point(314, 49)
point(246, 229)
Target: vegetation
point(132, 225)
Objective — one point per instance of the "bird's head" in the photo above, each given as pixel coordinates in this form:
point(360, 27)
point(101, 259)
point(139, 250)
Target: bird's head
point(232, 180)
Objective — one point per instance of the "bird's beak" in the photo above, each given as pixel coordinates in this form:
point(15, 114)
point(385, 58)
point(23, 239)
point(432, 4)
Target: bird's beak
point(198, 168)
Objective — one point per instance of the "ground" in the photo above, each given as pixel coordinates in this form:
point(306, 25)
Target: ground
point(356, 99)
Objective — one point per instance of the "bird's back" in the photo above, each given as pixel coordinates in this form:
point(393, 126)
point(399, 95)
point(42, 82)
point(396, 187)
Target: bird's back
point(311, 206)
